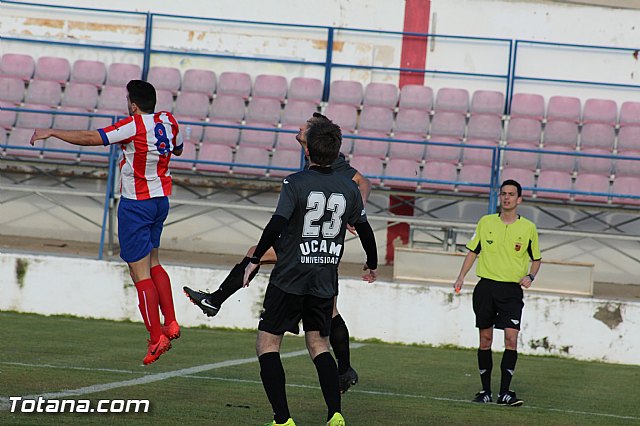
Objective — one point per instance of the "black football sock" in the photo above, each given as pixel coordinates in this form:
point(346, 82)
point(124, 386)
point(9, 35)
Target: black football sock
point(328, 378)
point(507, 367)
point(485, 364)
point(339, 339)
point(273, 380)
point(231, 284)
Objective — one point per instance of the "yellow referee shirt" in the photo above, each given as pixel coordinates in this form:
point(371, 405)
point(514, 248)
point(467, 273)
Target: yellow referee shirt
point(504, 250)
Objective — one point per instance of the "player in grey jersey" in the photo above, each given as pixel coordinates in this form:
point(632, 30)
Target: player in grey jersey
point(210, 303)
point(310, 221)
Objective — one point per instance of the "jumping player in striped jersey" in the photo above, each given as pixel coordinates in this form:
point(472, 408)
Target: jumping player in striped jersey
point(147, 140)
point(210, 303)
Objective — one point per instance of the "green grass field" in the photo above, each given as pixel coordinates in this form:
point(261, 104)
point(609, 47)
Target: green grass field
point(211, 377)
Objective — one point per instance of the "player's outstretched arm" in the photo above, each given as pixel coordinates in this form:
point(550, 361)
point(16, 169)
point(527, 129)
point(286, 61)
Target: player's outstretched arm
point(368, 241)
point(74, 137)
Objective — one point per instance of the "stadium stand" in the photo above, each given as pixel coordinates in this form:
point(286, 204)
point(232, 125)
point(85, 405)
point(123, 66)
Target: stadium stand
point(285, 158)
point(54, 69)
point(603, 111)
point(305, 89)
point(526, 105)
point(487, 102)
point(412, 121)
point(80, 95)
point(346, 92)
point(406, 149)
point(438, 171)
point(381, 94)
point(416, 97)
point(563, 108)
point(17, 65)
point(201, 81)
point(43, 92)
point(270, 86)
point(234, 83)
point(560, 133)
point(524, 130)
point(119, 74)
point(370, 166)
point(85, 71)
point(452, 100)
point(165, 78)
point(214, 153)
point(630, 114)
point(11, 89)
point(597, 135)
point(71, 122)
point(475, 173)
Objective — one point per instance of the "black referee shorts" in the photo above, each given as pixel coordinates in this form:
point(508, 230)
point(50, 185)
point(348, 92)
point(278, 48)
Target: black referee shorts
point(283, 312)
point(498, 304)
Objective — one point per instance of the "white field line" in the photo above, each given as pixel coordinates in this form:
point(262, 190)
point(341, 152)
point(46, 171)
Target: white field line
point(190, 373)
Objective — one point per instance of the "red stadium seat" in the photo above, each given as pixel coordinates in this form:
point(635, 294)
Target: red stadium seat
point(55, 143)
point(17, 65)
point(381, 94)
point(260, 138)
point(186, 160)
point(227, 136)
point(54, 69)
point(120, 74)
point(217, 153)
point(288, 159)
point(483, 126)
point(564, 108)
point(165, 78)
point(305, 89)
point(597, 135)
point(34, 120)
point(603, 111)
point(71, 122)
point(487, 102)
point(80, 95)
point(43, 92)
point(11, 89)
point(7, 118)
point(192, 104)
point(627, 167)
point(234, 83)
point(371, 167)
point(553, 179)
point(471, 155)
point(525, 177)
point(443, 153)
point(560, 162)
point(475, 173)
point(375, 118)
point(416, 96)
point(630, 114)
point(520, 159)
point(114, 98)
point(435, 170)
point(164, 100)
point(264, 110)
point(560, 133)
point(414, 151)
point(524, 105)
point(19, 138)
point(588, 182)
point(412, 121)
point(226, 107)
point(448, 124)
point(201, 81)
point(452, 100)
point(402, 168)
point(92, 72)
point(626, 185)
point(270, 86)
point(597, 165)
point(371, 148)
point(344, 116)
point(629, 138)
point(251, 156)
point(346, 92)
point(524, 130)
point(296, 113)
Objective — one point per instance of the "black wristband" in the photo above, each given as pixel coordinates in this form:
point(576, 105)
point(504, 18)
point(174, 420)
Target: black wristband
point(531, 277)
point(255, 260)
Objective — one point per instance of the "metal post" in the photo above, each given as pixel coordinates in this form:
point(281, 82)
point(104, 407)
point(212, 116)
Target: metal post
point(147, 46)
point(495, 170)
point(328, 64)
point(507, 96)
point(512, 76)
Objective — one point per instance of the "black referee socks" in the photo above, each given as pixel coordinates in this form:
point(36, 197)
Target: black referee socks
point(507, 366)
point(485, 364)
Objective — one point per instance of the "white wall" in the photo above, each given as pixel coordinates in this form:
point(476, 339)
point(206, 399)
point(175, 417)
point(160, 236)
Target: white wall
point(392, 312)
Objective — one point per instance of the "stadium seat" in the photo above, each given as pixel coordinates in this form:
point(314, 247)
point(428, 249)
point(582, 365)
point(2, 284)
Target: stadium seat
point(560, 162)
point(483, 126)
point(3, 141)
point(287, 141)
point(370, 167)
point(553, 179)
point(626, 185)
point(188, 157)
point(412, 121)
point(234, 83)
point(101, 122)
point(588, 182)
point(452, 100)
point(246, 156)
point(296, 113)
point(603, 111)
point(375, 118)
point(164, 100)
point(192, 127)
point(192, 104)
point(119, 74)
point(226, 107)
point(439, 171)
point(371, 148)
point(55, 143)
point(448, 124)
point(560, 133)
point(7, 118)
point(19, 138)
point(17, 65)
point(80, 95)
point(597, 135)
point(114, 98)
point(347, 143)
point(414, 151)
point(92, 72)
point(227, 136)
point(217, 153)
point(630, 114)
point(264, 110)
point(200, 81)
point(344, 116)
point(629, 138)
point(260, 138)
point(305, 89)
point(288, 159)
point(520, 159)
point(43, 92)
point(165, 78)
point(381, 95)
point(346, 92)
point(402, 168)
point(34, 120)
point(471, 155)
point(525, 105)
point(11, 90)
point(599, 165)
point(443, 153)
point(487, 102)
point(524, 130)
point(627, 167)
point(54, 69)
point(270, 86)
point(524, 177)
point(71, 122)
point(564, 108)
point(475, 173)
point(416, 96)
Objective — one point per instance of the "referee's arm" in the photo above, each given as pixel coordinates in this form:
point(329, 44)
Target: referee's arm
point(466, 267)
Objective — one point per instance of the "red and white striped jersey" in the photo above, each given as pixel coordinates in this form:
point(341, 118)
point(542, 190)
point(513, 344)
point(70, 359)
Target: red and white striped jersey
point(147, 141)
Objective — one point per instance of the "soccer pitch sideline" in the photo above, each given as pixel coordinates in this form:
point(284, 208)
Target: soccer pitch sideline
point(211, 377)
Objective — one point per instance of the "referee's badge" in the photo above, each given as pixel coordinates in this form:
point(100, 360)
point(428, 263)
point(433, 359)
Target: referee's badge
point(518, 246)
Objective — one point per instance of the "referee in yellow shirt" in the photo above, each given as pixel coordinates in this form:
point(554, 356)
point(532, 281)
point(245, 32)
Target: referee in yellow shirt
point(505, 243)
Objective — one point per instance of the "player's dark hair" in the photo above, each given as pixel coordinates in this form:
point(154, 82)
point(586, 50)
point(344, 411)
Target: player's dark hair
point(143, 94)
point(512, 183)
point(324, 139)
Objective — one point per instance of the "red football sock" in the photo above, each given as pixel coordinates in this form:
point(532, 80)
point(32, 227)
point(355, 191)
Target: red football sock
point(163, 286)
point(148, 304)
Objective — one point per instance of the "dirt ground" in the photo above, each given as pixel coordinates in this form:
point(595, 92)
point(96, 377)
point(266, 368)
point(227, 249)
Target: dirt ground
point(13, 244)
